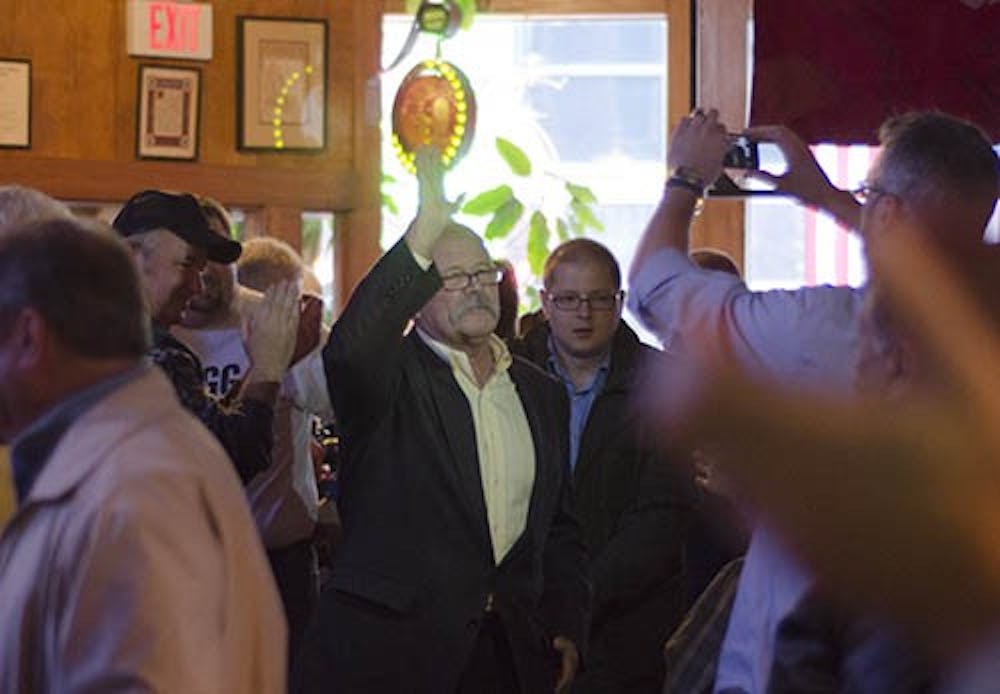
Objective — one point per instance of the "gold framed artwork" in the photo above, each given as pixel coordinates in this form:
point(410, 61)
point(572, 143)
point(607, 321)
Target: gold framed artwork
point(169, 103)
point(15, 103)
point(281, 83)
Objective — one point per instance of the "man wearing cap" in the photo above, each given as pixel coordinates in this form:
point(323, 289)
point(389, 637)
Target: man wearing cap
point(171, 241)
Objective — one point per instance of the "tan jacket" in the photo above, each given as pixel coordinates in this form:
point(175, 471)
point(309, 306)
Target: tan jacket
point(6, 487)
point(134, 564)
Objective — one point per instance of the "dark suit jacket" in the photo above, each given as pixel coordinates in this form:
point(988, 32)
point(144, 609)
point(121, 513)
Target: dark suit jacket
point(412, 576)
point(633, 505)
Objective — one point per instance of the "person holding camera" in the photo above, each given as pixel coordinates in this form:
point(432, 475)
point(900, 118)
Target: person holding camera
point(933, 168)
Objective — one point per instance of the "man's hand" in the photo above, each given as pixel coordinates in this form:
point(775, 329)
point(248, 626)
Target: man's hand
point(272, 331)
point(434, 211)
point(699, 144)
point(570, 663)
point(804, 178)
point(310, 326)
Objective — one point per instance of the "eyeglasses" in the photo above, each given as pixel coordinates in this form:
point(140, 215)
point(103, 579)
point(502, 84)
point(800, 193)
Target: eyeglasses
point(596, 302)
point(866, 191)
point(457, 281)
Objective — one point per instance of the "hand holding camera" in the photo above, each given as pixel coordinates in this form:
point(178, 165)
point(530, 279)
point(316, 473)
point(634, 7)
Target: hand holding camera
point(697, 147)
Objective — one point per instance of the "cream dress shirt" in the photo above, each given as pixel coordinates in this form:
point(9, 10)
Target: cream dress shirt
point(503, 441)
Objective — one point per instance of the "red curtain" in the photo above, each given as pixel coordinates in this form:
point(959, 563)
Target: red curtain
point(833, 70)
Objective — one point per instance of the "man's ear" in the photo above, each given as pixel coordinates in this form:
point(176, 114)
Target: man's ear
point(884, 214)
point(544, 296)
point(30, 339)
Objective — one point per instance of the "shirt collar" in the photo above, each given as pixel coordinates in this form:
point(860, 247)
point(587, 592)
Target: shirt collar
point(459, 360)
point(32, 448)
point(556, 367)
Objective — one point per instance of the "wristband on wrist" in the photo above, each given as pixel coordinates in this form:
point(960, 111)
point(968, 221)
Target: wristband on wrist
point(683, 177)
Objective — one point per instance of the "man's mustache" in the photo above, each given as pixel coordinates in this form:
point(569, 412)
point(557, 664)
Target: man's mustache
point(477, 304)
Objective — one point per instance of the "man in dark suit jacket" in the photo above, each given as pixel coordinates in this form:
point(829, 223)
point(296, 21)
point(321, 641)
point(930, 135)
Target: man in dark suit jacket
point(631, 503)
point(461, 567)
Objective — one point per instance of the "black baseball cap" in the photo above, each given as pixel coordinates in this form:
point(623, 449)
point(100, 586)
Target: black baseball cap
point(178, 213)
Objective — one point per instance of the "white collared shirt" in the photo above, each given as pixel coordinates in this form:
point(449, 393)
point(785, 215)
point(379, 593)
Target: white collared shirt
point(503, 441)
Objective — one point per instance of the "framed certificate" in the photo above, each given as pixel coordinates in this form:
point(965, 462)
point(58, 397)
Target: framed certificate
point(169, 102)
point(15, 103)
point(281, 83)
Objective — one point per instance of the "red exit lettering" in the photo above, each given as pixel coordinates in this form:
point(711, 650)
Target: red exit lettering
point(173, 27)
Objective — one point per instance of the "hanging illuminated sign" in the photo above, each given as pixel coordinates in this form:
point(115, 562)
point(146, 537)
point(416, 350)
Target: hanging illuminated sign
point(435, 105)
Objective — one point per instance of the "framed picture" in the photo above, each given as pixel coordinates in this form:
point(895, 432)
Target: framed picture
point(281, 83)
point(169, 102)
point(15, 103)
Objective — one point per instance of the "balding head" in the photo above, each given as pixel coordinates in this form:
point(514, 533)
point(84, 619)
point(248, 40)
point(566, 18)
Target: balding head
point(462, 318)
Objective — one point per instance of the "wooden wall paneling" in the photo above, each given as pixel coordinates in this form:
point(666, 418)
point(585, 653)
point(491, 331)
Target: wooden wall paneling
point(554, 6)
point(84, 110)
point(678, 60)
point(240, 186)
point(283, 223)
point(721, 73)
point(358, 230)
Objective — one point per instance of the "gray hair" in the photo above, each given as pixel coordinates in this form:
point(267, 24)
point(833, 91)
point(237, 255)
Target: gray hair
point(81, 279)
point(20, 205)
point(930, 155)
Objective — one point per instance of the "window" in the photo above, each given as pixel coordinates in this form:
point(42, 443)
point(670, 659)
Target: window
point(584, 97)
point(788, 245)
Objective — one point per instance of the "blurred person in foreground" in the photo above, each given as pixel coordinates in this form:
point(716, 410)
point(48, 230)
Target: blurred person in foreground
point(461, 568)
point(894, 507)
point(932, 167)
point(132, 563)
point(20, 205)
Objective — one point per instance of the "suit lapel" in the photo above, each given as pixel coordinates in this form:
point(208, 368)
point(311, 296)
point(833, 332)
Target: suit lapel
point(530, 405)
point(454, 418)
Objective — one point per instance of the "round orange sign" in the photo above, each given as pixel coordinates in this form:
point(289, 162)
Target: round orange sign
point(435, 105)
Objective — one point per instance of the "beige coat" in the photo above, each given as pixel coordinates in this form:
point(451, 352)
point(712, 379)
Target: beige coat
point(134, 564)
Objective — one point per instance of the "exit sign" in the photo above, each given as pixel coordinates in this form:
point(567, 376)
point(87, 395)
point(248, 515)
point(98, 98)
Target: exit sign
point(169, 29)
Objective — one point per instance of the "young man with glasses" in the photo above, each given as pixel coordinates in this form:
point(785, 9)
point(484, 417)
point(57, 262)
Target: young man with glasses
point(934, 170)
point(626, 499)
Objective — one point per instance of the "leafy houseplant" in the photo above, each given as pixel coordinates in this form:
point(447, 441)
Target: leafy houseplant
point(568, 216)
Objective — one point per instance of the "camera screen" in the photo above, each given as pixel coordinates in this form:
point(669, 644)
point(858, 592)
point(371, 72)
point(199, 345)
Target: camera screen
point(742, 154)
point(743, 157)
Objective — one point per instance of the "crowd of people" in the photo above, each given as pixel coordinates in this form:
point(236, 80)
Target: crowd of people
point(796, 493)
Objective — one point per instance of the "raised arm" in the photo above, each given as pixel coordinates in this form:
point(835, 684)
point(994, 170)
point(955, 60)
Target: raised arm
point(804, 179)
point(367, 339)
point(697, 147)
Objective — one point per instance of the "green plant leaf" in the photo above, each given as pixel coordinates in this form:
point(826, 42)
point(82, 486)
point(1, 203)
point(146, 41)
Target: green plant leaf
point(561, 230)
point(538, 242)
point(504, 220)
point(468, 8)
point(531, 302)
point(389, 203)
point(586, 216)
point(515, 157)
point(581, 193)
point(488, 201)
